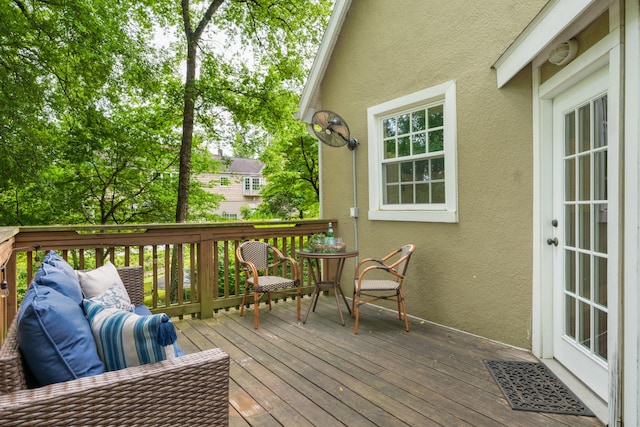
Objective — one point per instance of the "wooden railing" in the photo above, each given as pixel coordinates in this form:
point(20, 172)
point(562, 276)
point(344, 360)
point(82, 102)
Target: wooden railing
point(190, 269)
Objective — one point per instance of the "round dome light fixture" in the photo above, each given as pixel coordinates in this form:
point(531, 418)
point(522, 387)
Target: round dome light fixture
point(564, 52)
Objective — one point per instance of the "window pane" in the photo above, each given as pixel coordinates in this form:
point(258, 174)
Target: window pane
point(422, 193)
point(406, 195)
point(421, 171)
point(392, 195)
point(419, 143)
point(392, 172)
point(404, 146)
point(406, 171)
point(436, 116)
point(418, 121)
point(437, 168)
point(403, 124)
point(436, 141)
point(437, 192)
point(389, 127)
point(390, 149)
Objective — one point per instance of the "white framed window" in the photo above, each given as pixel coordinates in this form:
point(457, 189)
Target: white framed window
point(252, 186)
point(412, 157)
point(225, 181)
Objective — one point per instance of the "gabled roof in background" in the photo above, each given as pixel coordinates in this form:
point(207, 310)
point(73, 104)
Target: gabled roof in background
point(239, 165)
point(306, 106)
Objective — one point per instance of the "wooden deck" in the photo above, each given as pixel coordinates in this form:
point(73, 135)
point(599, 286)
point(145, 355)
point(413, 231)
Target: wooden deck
point(321, 374)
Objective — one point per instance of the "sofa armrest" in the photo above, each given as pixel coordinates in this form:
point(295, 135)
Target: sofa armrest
point(142, 395)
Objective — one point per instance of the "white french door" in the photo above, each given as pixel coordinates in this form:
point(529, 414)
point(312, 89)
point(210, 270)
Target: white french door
point(582, 261)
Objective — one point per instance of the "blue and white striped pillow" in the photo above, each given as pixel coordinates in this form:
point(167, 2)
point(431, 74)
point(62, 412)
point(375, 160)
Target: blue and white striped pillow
point(125, 339)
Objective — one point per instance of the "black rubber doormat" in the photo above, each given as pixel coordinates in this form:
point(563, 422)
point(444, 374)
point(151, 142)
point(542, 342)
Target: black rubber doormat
point(530, 386)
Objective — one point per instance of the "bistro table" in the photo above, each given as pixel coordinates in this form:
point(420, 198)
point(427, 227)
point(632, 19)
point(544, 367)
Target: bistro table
point(313, 261)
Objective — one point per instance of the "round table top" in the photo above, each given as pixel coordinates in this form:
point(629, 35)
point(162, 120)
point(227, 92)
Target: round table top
point(346, 254)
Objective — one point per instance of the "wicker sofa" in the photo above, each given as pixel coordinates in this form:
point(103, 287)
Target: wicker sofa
point(148, 395)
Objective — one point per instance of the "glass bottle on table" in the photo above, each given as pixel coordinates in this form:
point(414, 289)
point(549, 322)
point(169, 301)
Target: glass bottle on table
point(330, 236)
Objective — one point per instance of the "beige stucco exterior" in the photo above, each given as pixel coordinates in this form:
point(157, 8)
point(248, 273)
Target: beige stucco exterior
point(473, 274)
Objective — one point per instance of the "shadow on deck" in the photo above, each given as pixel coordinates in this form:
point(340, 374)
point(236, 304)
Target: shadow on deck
point(322, 374)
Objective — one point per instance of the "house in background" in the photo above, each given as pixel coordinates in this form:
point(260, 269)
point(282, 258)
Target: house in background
point(501, 138)
point(239, 181)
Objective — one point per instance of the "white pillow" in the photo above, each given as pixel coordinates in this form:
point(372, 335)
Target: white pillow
point(114, 297)
point(105, 279)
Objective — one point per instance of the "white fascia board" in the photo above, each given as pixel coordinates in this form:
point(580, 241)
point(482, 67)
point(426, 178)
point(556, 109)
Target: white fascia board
point(545, 27)
point(340, 9)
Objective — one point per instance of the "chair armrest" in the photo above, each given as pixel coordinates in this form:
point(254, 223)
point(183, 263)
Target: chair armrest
point(141, 395)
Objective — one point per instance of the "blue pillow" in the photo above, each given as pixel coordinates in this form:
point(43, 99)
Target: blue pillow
point(56, 273)
point(143, 310)
point(125, 339)
point(55, 338)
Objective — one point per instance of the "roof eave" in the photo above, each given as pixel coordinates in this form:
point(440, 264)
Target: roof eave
point(310, 90)
point(552, 20)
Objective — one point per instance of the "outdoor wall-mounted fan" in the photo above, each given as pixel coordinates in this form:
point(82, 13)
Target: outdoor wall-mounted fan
point(332, 130)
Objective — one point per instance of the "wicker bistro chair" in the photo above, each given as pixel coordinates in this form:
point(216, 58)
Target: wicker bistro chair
point(368, 288)
point(258, 260)
point(137, 396)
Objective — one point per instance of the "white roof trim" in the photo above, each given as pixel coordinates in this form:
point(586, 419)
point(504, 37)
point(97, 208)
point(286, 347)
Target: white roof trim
point(340, 9)
point(552, 20)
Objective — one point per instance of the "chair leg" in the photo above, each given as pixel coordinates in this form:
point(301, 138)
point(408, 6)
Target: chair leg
point(256, 308)
point(299, 297)
point(244, 299)
point(404, 310)
point(269, 298)
point(353, 303)
point(356, 311)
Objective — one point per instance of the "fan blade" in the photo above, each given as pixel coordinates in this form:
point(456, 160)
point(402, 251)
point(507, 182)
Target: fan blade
point(321, 118)
point(342, 131)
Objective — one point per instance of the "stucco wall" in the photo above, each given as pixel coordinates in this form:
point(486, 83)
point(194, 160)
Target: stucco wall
point(474, 275)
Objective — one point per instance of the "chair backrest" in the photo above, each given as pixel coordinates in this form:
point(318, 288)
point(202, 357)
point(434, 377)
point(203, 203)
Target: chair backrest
point(256, 253)
point(405, 255)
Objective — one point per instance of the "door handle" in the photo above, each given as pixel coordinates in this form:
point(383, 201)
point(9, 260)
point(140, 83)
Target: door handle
point(553, 241)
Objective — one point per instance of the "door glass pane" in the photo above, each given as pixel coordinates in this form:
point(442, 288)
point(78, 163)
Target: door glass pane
point(600, 228)
point(584, 325)
point(570, 134)
point(584, 177)
point(601, 334)
point(584, 272)
point(570, 271)
point(584, 226)
point(600, 280)
point(600, 119)
point(570, 225)
point(570, 179)
point(584, 128)
point(570, 317)
point(600, 175)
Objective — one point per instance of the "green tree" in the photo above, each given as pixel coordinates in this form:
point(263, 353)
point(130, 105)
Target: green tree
point(291, 172)
point(253, 86)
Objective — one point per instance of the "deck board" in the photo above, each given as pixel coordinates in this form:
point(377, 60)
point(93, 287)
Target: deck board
point(322, 374)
